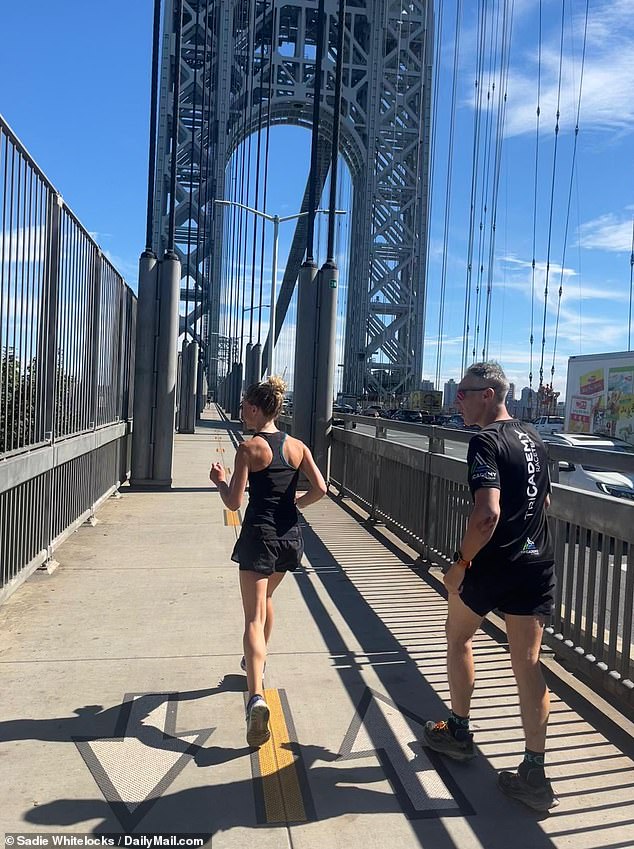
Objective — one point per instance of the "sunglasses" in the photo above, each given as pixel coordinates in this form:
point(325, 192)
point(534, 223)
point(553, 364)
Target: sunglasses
point(461, 393)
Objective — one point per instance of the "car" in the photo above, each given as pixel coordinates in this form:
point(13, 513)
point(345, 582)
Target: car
point(591, 478)
point(549, 424)
point(342, 408)
point(411, 416)
point(372, 410)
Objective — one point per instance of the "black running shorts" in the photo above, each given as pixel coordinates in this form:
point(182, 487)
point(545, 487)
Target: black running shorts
point(263, 553)
point(526, 589)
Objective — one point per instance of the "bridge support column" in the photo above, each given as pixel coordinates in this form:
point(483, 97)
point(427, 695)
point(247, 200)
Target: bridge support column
point(166, 359)
point(188, 386)
point(144, 389)
point(304, 391)
point(325, 365)
point(256, 371)
point(236, 394)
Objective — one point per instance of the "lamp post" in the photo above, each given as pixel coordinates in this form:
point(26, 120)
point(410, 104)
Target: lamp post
point(277, 220)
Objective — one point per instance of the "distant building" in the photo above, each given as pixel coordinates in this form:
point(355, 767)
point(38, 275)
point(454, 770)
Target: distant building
point(449, 396)
point(427, 385)
point(511, 393)
point(528, 403)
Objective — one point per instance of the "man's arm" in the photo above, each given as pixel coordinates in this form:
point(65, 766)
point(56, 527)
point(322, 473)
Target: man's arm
point(482, 523)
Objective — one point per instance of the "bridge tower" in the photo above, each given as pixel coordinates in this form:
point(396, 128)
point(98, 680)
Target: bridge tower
point(224, 58)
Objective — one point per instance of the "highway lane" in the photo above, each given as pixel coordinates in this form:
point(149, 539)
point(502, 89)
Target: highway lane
point(413, 440)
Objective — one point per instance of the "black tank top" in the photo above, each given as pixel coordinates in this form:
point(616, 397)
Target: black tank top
point(272, 491)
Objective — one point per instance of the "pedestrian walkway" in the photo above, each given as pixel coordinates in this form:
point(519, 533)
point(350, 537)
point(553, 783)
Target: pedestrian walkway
point(123, 701)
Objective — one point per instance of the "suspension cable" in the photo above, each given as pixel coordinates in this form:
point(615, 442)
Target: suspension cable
point(552, 195)
point(266, 161)
point(434, 125)
point(539, 83)
point(448, 191)
point(257, 189)
point(486, 157)
point(474, 183)
point(505, 56)
point(572, 176)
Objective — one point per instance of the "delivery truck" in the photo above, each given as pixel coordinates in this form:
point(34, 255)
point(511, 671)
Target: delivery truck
point(600, 394)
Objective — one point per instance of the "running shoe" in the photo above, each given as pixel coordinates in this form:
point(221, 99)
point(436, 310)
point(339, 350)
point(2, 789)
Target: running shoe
point(533, 791)
point(257, 722)
point(437, 736)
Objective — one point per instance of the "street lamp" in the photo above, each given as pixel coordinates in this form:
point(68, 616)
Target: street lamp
point(277, 220)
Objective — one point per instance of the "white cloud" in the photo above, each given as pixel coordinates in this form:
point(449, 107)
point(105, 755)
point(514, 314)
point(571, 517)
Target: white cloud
point(608, 74)
point(606, 233)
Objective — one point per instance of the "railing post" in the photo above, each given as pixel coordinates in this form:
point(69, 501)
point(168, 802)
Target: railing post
point(94, 340)
point(49, 316)
point(50, 311)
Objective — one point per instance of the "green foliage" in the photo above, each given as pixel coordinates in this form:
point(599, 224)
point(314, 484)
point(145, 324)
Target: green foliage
point(18, 393)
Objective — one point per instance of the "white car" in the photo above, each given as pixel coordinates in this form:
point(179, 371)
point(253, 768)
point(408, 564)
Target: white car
point(549, 424)
point(591, 478)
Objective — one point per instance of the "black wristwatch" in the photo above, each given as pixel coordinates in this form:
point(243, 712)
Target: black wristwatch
point(458, 558)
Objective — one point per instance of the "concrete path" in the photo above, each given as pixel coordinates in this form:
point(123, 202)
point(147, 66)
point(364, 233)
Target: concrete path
point(123, 701)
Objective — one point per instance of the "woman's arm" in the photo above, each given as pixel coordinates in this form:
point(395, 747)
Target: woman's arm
point(317, 488)
point(233, 492)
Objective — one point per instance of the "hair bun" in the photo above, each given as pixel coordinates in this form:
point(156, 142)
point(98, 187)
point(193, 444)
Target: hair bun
point(277, 384)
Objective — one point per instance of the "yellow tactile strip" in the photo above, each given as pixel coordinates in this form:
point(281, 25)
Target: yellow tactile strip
point(281, 791)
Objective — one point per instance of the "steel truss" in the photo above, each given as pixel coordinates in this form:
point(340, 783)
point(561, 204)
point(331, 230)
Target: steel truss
point(385, 134)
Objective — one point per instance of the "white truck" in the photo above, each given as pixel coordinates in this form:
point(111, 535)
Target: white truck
point(600, 395)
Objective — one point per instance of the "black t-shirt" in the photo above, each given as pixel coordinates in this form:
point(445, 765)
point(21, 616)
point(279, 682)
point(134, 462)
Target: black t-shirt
point(510, 456)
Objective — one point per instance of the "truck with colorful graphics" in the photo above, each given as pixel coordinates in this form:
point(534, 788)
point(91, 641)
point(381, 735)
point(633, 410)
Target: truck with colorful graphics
point(600, 395)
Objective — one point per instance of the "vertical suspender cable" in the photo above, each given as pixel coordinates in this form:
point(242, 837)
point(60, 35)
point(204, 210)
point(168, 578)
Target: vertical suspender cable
point(486, 157)
point(266, 160)
point(505, 54)
point(452, 121)
point(257, 188)
point(572, 177)
point(552, 196)
point(474, 184)
point(247, 143)
point(535, 184)
point(432, 147)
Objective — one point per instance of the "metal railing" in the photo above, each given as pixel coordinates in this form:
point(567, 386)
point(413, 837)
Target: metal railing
point(423, 497)
point(67, 334)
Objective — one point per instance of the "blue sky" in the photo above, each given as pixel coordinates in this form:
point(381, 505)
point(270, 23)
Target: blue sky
point(75, 88)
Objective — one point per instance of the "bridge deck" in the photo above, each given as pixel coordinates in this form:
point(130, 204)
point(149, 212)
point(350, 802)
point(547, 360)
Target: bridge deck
point(123, 699)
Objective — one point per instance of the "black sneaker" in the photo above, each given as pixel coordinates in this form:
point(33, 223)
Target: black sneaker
point(437, 736)
point(533, 791)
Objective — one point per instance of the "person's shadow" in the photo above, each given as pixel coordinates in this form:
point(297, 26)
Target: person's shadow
point(216, 808)
point(94, 722)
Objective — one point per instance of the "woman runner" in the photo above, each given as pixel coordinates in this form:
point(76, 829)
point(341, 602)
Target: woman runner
point(270, 543)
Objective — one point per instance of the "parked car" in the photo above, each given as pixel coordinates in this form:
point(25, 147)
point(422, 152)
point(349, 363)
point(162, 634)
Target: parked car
point(549, 424)
point(591, 478)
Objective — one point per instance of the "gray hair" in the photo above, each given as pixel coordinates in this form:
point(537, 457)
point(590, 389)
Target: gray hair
point(492, 374)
